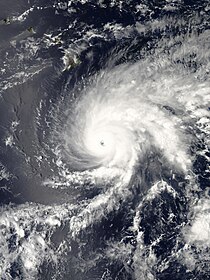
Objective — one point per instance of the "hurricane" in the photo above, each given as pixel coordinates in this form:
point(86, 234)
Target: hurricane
point(121, 117)
point(104, 154)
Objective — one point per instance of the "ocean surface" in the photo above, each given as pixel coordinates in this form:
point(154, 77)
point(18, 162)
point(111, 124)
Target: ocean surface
point(104, 140)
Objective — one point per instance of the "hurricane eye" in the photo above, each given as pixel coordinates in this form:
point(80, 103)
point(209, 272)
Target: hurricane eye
point(102, 143)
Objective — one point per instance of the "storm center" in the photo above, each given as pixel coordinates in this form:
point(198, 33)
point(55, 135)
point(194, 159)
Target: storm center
point(102, 143)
